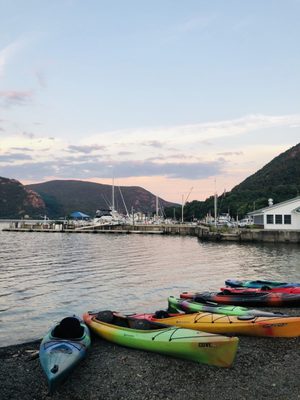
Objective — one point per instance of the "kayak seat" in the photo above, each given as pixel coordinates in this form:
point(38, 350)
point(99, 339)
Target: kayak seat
point(161, 314)
point(68, 328)
point(142, 324)
point(225, 291)
point(105, 316)
point(246, 317)
point(199, 299)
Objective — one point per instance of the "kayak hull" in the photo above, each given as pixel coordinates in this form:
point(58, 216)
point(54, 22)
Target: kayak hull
point(247, 290)
point(231, 325)
point(190, 306)
point(261, 299)
point(259, 283)
point(188, 344)
point(59, 356)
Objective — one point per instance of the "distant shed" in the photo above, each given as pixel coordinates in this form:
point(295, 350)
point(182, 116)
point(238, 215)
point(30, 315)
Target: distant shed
point(79, 215)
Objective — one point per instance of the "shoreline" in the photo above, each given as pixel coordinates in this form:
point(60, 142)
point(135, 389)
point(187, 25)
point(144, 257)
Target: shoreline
point(264, 368)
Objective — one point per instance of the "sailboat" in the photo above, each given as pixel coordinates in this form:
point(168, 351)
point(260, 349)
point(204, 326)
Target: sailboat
point(110, 216)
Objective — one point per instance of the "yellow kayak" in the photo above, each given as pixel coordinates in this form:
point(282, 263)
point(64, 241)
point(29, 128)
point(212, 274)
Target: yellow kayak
point(226, 324)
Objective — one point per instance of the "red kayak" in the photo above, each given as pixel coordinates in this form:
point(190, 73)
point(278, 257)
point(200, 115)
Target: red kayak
point(241, 290)
point(258, 299)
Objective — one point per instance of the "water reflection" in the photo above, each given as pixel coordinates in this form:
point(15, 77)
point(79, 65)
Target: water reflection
point(46, 276)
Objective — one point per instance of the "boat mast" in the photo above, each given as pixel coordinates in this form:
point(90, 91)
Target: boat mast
point(113, 191)
point(183, 202)
point(215, 204)
point(127, 213)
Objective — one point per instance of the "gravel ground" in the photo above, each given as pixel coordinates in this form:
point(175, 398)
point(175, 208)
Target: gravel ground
point(264, 368)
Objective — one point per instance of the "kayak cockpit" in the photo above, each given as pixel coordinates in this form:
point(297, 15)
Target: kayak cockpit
point(68, 328)
point(120, 320)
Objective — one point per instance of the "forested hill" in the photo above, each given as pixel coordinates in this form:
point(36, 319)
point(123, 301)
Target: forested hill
point(279, 180)
point(17, 201)
point(64, 196)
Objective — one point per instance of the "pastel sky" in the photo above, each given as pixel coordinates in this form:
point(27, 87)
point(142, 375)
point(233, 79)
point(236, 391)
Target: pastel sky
point(178, 97)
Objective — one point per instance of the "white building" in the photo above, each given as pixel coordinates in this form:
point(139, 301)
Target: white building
point(280, 216)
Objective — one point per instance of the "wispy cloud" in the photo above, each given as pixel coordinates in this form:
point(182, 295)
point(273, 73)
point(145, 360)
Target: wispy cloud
point(202, 133)
point(40, 76)
point(64, 169)
point(28, 135)
point(6, 53)
point(186, 155)
point(84, 149)
point(195, 23)
point(153, 143)
point(125, 153)
point(15, 98)
point(22, 148)
point(231, 153)
point(14, 157)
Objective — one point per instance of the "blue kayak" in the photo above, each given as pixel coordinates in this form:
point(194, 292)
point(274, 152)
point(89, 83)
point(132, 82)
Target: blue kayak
point(62, 348)
point(263, 284)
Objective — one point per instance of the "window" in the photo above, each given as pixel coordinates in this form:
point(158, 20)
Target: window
point(278, 219)
point(288, 219)
point(258, 219)
point(270, 219)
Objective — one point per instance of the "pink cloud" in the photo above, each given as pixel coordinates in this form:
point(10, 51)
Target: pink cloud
point(15, 97)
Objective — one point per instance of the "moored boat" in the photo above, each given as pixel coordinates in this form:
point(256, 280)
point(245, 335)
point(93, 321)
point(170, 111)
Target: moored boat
point(258, 299)
point(62, 348)
point(259, 284)
point(184, 343)
point(248, 325)
point(192, 305)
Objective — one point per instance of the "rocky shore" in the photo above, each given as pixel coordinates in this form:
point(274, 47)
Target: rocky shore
point(264, 368)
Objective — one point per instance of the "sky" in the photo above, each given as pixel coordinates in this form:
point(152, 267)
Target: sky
point(182, 98)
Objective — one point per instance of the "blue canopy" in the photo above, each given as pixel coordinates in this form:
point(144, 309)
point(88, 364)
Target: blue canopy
point(79, 214)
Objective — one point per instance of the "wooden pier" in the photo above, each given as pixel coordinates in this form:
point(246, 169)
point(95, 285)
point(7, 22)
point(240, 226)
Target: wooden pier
point(49, 227)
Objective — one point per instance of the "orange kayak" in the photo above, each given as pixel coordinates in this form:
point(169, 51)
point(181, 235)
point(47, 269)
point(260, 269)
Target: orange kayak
point(230, 325)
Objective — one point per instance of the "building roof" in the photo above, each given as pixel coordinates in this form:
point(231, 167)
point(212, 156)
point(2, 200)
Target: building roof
point(262, 210)
point(79, 214)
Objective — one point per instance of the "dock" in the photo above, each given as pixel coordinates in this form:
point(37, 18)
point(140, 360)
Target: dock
point(52, 227)
point(203, 232)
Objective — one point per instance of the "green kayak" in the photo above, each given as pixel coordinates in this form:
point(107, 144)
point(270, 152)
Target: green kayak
point(174, 341)
point(195, 305)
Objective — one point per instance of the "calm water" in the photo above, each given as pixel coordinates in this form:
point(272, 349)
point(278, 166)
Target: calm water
point(45, 277)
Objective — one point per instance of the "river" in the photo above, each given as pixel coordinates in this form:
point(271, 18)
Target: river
point(46, 276)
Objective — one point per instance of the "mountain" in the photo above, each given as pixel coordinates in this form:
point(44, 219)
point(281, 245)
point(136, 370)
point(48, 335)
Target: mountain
point(61, 197)
point(17, 201)
point(279, 180)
